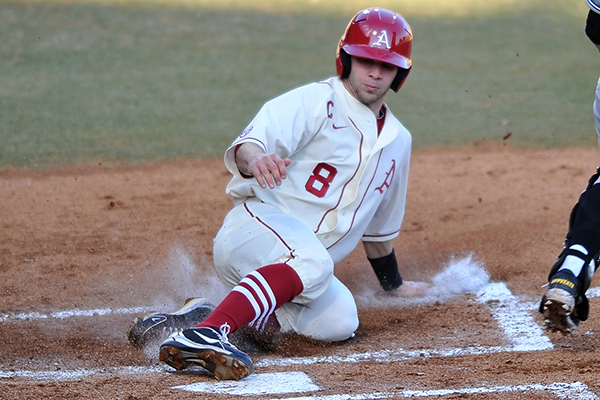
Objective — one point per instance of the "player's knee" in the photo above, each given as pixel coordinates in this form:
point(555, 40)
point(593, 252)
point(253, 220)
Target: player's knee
point(330, 328)
point(332, 317)
point(315, 268)
point(343, 328)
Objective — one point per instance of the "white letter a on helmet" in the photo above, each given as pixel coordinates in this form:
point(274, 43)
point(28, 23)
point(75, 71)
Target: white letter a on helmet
point(383, 39)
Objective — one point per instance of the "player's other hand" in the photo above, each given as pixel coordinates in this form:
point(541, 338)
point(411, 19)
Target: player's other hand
point(413, 289)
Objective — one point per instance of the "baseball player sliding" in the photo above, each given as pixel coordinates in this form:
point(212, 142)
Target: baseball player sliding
point(318, 169)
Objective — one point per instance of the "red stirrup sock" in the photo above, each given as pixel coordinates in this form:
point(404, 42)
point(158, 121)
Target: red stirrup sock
point(256, 297)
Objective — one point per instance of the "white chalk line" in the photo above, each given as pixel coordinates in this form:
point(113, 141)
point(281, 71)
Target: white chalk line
point(298, 382)
point(516, 320)
point(32, 316)
point(257, 384)
point(571, 391)
point(593, 292)
point(76, 374)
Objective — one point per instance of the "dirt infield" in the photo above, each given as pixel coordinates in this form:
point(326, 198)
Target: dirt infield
point(84, 250)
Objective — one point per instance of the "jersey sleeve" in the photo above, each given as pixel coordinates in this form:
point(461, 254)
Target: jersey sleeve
point(283, 125)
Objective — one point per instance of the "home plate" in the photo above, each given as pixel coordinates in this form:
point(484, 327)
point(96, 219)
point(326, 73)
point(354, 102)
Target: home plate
point(258, 384)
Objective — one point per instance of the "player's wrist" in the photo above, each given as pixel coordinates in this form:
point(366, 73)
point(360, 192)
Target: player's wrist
point(244, 174)
point(386, 270)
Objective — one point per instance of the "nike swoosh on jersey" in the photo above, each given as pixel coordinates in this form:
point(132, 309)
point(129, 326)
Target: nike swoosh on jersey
point(338, 127)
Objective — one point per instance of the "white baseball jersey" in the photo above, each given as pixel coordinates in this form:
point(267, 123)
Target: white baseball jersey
point(345, 181)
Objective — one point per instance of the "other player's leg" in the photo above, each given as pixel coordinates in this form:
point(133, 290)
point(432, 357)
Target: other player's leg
point(565, 304)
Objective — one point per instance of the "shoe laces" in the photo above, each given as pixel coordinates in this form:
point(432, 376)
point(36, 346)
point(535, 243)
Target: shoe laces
point(225, 329)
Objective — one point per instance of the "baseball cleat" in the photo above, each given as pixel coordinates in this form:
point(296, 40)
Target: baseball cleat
point(208, 348)
point(563, 308)
point(557, 307)
point(156, 327)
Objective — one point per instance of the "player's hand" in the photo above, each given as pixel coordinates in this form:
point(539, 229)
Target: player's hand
point(268, 169)
point(413, 289)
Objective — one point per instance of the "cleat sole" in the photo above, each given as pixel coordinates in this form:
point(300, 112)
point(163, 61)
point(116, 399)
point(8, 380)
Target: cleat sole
point(558, 306)
point(223, 367)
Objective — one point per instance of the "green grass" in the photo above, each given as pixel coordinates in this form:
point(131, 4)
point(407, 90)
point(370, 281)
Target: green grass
point(527, 73)
point(129, 81)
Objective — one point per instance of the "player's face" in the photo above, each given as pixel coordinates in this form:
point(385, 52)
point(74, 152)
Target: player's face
point(369, 81)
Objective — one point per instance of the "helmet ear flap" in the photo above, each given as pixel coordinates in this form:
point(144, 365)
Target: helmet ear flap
point(346, 64)
point(398, 81)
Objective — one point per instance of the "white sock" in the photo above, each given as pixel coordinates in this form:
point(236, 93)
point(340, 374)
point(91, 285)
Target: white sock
point(573, 263)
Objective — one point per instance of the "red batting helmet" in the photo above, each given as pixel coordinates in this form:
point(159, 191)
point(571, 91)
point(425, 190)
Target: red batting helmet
point(377, 34)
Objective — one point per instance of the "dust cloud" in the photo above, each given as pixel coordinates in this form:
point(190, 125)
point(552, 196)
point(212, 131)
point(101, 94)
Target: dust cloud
point(461, 274)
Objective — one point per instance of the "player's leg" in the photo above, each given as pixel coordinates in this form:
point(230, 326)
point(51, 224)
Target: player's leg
point(270, 259)
point(331, 317)
point(324, 298)
point(260, 243)
point(564, 304)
